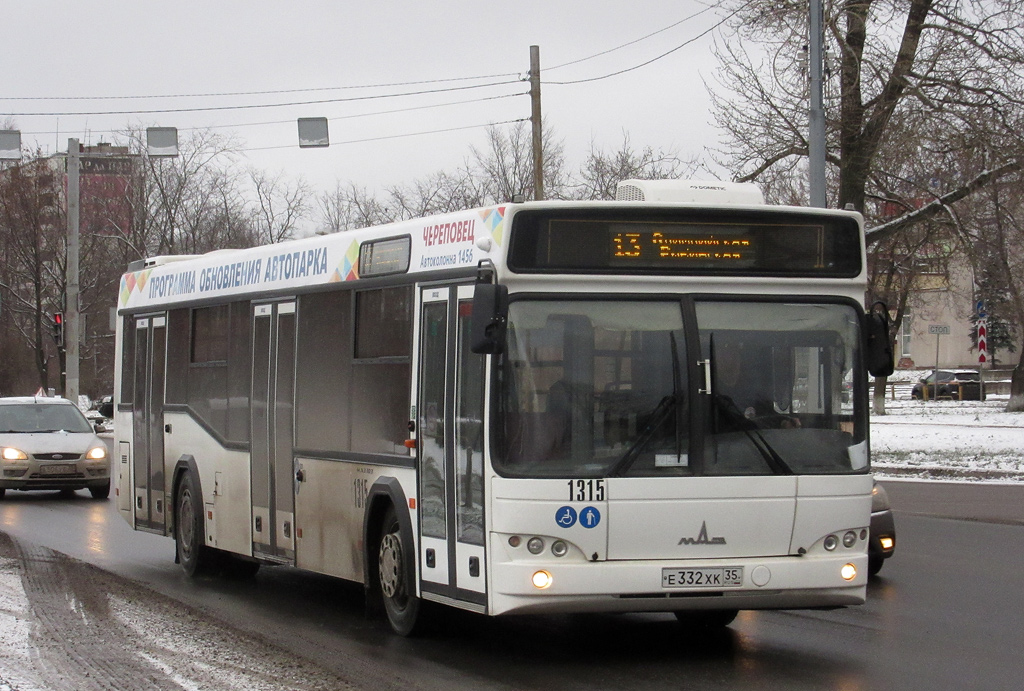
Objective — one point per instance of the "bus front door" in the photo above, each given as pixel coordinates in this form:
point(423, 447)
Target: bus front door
point(272, 475)
point(148, 422)
point(449, 404)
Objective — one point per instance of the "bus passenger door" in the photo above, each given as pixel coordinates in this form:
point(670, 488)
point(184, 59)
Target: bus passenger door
point(449, 405)
point(148, 421)
point(273, 382)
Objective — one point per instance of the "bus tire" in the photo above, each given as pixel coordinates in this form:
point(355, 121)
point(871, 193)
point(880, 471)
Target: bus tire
point(400, 604)
point(189, 531)
point(706, 618)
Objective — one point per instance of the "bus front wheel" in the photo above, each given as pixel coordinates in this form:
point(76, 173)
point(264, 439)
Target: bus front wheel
point(400, 604)
point(189, 530)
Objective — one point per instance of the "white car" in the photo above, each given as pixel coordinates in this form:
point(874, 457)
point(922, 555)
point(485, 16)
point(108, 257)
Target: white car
point(47, 444)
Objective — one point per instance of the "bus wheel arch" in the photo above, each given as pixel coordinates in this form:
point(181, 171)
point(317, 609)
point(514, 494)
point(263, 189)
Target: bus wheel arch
point(389, 557)
point(189, 525)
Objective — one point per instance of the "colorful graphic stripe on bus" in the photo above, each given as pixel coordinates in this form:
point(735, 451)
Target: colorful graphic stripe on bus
point(131, 281)
point(348, 269)
point(494, 219)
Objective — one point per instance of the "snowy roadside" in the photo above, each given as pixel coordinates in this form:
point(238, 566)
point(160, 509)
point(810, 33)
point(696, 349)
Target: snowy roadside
point(954, 440)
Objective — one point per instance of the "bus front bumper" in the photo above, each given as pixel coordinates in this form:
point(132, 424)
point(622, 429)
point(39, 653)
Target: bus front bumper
point(637, 586)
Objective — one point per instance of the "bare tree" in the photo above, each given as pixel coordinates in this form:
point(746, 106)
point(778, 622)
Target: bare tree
point(940, 82)
point(348, 207)
point(31, 257)
point(604, 170)
point(171, 197)
point(441, 192)
point(280, 205)
point(505, 167)
point(951, 65)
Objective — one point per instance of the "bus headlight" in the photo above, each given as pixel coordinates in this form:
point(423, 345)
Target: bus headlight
point(848, 572)
point(831, 542)
point(849, 539)
point(559, 548)
point(541, 580)
point(535, 545)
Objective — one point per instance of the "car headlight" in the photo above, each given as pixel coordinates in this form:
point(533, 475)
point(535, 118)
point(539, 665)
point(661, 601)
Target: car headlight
point(97, 453)
point(879, 498)
point(9, 453)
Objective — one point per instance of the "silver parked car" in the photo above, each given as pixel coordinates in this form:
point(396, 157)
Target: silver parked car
point(47, 444)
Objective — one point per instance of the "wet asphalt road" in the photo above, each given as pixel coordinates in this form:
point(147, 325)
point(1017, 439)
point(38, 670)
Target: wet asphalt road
point(945, 612)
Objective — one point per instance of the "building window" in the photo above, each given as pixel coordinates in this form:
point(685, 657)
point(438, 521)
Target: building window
point(905, 336)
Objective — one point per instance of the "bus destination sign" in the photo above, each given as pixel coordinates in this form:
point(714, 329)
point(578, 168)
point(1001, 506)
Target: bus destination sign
point(681, 247)
point(686, 242)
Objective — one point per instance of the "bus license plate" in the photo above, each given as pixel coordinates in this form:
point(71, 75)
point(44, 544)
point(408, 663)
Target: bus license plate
point(62, 469)
point(724, 577)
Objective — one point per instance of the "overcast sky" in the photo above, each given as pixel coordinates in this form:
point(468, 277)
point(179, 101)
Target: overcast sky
point(72, 52)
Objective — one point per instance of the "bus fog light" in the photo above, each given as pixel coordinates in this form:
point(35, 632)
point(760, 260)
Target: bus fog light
point(515, 541)
point(886, 542)
point(559, 548)
point(848, 572)
point(535, 545)
point(541, 580)
point(831, 542)
point(849, 539)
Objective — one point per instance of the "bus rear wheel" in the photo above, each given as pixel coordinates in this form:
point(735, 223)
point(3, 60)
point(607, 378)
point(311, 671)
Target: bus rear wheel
point(400, 604)
point(189, 533)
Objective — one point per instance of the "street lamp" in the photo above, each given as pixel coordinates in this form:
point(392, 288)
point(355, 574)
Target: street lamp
point(10, 145)
point(162, 141)
point(313, 133)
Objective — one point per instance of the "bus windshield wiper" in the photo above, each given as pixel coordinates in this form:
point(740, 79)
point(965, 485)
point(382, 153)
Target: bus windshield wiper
point(750, 428)
point(665, 407)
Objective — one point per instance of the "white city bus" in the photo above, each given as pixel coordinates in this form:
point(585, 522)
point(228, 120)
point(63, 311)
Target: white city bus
point(644, 405)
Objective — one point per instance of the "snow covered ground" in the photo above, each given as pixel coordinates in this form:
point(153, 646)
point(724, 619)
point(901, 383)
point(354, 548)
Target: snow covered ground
point(956, 440)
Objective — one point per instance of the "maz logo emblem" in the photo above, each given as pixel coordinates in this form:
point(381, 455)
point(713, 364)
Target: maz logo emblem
point(702, 537)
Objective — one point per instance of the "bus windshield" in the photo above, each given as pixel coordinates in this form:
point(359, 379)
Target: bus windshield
point(590, 388)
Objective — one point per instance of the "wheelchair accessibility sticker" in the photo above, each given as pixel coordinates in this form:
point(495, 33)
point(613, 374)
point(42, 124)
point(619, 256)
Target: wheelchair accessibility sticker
point(565, 517)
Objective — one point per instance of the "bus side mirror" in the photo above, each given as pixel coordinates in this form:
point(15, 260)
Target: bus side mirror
point(878, 355)
point(490, 312)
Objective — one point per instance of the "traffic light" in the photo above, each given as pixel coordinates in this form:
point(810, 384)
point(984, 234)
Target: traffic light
point(58, 329)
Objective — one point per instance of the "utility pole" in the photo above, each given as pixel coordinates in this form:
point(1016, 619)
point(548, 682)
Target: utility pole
point(71, 314)
point(538, 152)
point(816, 135)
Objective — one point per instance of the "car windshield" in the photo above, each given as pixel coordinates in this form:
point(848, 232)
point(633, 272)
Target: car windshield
point(27, 418)
point(605, 388)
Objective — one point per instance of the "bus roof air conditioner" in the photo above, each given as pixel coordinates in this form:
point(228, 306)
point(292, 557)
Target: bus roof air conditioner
point(689, 191)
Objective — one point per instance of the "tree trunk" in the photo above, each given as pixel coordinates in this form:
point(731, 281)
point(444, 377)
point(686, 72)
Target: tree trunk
point(1016, 402)
point(878, 396)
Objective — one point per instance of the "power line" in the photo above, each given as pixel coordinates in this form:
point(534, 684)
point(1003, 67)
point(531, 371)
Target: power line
point(268, 92)
point(648, 62)
point(334, 119)
point(396, 136)
point(634, 41)
point(207, 109)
